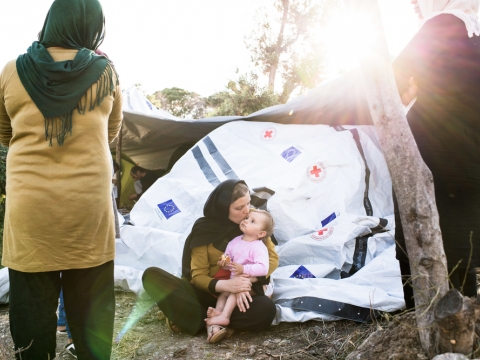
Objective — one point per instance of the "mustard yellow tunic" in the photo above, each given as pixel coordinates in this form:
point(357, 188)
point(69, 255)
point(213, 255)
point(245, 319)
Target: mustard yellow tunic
point(204, 264)
point(58, 208)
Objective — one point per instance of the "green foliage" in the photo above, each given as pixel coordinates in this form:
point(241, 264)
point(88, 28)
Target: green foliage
point(3, 168)
point(242, 97)
point(179, 102)
point(288, 42)
point(3, 177)
point(304, 72)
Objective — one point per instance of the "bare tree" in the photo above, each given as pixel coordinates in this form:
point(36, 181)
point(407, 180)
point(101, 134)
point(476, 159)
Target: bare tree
point(446, 320)
point(288, 42)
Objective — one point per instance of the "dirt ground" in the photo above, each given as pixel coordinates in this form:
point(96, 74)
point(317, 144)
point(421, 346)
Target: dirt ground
point(150, 339)
point(398, 340)
point(140, 333)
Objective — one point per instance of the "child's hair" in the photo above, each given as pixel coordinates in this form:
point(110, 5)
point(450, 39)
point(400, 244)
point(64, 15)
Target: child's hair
point(269, 224)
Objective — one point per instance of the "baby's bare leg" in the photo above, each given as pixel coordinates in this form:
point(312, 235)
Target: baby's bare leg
point(224, 317)
point(222, 299)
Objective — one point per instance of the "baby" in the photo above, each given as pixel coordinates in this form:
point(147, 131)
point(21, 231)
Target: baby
point(246, 254)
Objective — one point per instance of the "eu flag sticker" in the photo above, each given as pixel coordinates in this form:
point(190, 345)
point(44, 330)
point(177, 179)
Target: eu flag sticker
point(291, 153)
point(168, 208)
point(302, 273)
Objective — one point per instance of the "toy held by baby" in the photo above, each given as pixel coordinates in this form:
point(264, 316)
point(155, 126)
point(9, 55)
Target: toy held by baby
point(224, 260)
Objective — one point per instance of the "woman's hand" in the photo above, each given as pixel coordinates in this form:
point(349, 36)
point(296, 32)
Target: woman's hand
point(411, 93)
point(416, 8)
point(235, 285)
point(242, 301)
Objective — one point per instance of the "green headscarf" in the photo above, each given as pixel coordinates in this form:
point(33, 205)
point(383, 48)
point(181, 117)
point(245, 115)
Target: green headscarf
point(58, 88)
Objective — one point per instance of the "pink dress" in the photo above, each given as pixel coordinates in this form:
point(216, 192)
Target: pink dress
point(253, 255)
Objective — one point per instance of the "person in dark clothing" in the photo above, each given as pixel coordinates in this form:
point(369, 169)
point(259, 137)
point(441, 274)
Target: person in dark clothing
point(147, 178)
point(185, 301)
point(441, 64)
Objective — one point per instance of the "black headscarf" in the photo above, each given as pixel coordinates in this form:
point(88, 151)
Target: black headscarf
point(59, 87)
point(214, 227)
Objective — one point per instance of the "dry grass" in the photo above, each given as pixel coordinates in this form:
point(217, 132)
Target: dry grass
point(128, 347)
point(332, 340)
point(309, 340)
point(6, 348)
point(313, 339)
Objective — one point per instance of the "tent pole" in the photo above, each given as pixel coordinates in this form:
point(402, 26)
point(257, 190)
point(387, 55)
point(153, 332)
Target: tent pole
point(412, 181)
point(118, 152)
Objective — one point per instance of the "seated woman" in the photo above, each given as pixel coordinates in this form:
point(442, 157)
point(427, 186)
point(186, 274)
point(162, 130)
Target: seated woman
point(185, 301)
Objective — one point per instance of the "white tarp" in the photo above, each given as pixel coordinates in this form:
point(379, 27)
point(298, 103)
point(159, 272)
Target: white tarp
point(151, 136)
point(4, 286)
point(332, 190)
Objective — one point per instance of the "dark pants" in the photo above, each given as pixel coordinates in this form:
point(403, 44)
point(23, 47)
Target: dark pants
point(463, 280)
point(407, 284)
point(457, 277)
point(89, 304)
point(186, 306)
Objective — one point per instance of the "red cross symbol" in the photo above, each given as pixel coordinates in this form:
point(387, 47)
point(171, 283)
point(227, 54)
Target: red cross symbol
point(315, 171)
point(268, 134)
point(320, 232)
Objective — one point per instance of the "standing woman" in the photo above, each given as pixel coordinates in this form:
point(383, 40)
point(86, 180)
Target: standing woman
point(185, 301)
point(441, 66)
point(60, 106)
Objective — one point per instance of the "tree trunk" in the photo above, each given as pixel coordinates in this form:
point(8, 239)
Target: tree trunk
point(455, 316)
point(477, 316)
point(413, 185)
point(288, 87)
point(118, 158)
point(278, 47)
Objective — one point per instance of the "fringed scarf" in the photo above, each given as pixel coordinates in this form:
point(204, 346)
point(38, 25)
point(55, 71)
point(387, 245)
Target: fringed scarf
point(60, 87)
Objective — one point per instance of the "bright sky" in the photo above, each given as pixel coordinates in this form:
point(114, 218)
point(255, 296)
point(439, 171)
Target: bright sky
point(191, 44)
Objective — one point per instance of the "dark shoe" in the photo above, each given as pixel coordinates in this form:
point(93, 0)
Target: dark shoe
point(172, 327)
point(71, 350)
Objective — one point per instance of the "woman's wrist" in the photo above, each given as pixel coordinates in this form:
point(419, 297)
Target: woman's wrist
point(212, 286)
point(220, 286)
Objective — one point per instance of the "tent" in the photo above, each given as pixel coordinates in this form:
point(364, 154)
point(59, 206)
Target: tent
point(127, 183)
point(155, 139)
point(332, 205)
point(332, 198)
